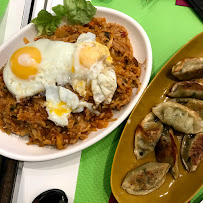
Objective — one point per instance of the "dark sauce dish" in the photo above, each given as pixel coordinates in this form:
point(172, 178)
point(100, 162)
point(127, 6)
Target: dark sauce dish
point(51, 196)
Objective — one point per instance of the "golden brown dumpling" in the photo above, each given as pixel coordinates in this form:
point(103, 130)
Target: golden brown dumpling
point(189, 68)
point(194, 104)
point(166, 150)
point(147, 135)
point(180, 117)
point(192, 151)
point(146, 178)
point(191, 88)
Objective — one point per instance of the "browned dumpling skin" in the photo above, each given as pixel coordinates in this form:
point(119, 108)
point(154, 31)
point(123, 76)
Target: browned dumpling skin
point(189, 68)
point(147, 135)
point(180, 117)
point(146, 178)
point(166, 150)
point(194, 104)
point(191, 88)
point(192, 151)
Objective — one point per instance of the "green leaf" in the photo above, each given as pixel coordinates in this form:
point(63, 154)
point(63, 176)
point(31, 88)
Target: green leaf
point(44, 17)
point(46, 23)
point(60, 10)
point(91, 10)
point(40, 29)
point(69, 4)
point(79, 11)
point(76, 11)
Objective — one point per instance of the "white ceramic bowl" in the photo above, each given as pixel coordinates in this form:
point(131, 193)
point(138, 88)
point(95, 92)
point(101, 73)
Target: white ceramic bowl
point(15, 147)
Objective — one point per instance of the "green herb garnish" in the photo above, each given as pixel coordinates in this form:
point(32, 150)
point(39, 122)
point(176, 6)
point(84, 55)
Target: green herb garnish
point(76, 11)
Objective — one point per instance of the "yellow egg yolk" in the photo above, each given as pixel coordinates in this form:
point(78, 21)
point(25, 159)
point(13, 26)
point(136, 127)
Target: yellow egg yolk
point(92, 53)
point(24, 62)
point(60, 110)
point(73, 69)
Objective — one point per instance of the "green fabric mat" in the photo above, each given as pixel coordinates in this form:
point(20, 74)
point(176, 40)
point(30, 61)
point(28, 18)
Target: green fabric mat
point(3, 5)
point(169, 27)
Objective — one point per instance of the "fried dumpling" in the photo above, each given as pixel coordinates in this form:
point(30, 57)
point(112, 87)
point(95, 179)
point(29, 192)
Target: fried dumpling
point(194, 104)
point(147, 135)
point(192, 151)
point(191, 88)
point(166, 150)
point(180, 117)
point(189, 68)
point(146, 178)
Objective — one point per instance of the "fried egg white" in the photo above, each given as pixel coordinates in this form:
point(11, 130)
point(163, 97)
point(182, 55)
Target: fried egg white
point(92, 69)
point(46, 65)
point(32, 67)
point(60, 102)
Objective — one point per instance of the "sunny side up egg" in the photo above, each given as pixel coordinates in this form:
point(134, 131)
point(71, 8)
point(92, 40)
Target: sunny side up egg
point(40, 63)
point(92, 68)
point(46, 65)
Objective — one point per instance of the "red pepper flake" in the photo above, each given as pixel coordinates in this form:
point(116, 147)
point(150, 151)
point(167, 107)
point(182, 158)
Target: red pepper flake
point(26, 41)
point(37, 38)
point(123, 34)
point(92, 24)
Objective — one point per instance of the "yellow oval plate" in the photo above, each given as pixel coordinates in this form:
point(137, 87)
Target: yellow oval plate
point(181, 190)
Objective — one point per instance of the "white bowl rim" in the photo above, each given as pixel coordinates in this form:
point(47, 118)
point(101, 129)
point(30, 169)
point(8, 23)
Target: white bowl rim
point(109, 129)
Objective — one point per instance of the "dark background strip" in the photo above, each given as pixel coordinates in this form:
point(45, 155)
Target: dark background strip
point(197, 6)
point(8, 171)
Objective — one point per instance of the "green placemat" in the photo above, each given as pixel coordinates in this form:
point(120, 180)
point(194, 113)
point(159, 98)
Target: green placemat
point(3, 5)
point(169, 27)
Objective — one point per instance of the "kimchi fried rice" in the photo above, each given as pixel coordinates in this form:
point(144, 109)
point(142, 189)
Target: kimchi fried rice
point(29, 117)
